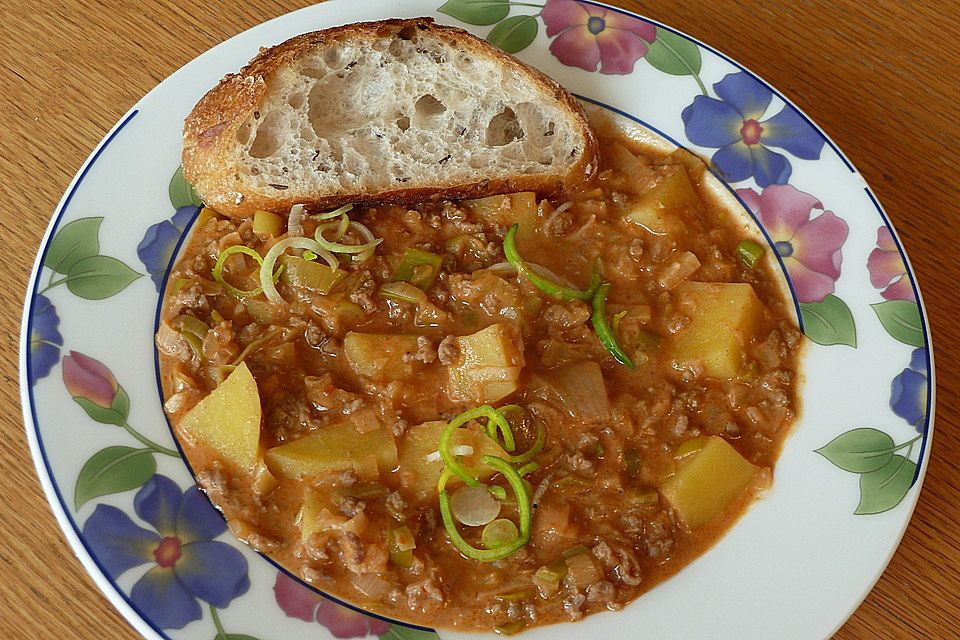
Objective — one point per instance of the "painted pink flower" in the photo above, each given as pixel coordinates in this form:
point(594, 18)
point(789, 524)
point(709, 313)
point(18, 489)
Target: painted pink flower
point(887, 269)
point(808, 244)
point(90, 379)
point(298, 601)
point(587, 36)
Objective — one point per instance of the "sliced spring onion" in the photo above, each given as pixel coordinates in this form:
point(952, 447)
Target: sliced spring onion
point(400, 545)
point(602, 328)
point(329, 215)
point(419, 268)
point(523, 505)
point(498, 492)
point(267, 223)
point(749, 253)
point(535, 449)
point(444, 447)
point(193, 330)
point(615, 323)
point(401, 292)
point(178, 284)
point(503, 426)
point(221, 260)
point(547, 581)
point(582, 569)
point(513, 596)
point(632, 463)
point(257, 344)
point(363, 251)
point(474, 506)
point(266, 267)
point(530, 467)
point(511, 628)
point(549, 287)
point(689, 447)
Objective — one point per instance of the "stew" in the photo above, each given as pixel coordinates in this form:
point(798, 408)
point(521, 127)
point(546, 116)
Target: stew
point(487, 414)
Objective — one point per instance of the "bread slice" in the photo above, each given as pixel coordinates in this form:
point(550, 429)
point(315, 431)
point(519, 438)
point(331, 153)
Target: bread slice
point(395, 111)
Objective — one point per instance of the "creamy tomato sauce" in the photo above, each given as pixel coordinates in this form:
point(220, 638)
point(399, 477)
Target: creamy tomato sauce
point(621, 493)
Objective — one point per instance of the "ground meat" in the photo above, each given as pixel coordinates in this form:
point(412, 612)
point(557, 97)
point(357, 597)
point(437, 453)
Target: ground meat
point(192, 298)
point(350, 506)
point(425, 352)
point(601, 592)
point(579, 463)
point(658, 537)
point(363, 296)
point(573, 605)
point(421, 592)
point(395, 503)
point(448, 352)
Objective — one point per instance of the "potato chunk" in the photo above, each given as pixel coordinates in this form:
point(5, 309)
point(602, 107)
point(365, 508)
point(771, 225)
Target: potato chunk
point(707, 482)
point(488, 365)
point(380, 356)
point(515, 208)
point(723, 321)
point(656, 210)
point(419, 475)
point(228, 420)
point(335, 447)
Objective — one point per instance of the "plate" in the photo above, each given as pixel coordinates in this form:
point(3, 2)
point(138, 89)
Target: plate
point(803, 557)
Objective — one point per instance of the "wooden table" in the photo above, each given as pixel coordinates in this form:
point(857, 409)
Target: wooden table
point(880, 77)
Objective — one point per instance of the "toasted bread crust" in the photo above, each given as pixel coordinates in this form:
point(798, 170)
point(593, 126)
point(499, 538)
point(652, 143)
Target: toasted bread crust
point(211, 128)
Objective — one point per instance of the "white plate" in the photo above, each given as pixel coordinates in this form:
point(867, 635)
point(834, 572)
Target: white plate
point(799, 562)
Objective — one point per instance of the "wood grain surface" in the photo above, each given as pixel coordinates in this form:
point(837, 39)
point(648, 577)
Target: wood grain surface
point(881, 77)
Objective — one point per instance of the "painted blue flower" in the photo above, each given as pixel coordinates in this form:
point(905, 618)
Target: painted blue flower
point(908, 391)
point(45, 338)
point(156, 248)
point(187, 563)
point(733, 125)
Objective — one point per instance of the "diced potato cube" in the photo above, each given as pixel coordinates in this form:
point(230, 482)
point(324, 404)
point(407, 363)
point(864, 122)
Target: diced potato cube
point(228, 420)
point(708, 482)
point(335, 447)
point(515, 208)
point(267, 223)
point(419, 475)
point(489, 365)
point(380, 357)
point(657, 209)
point(724, 321)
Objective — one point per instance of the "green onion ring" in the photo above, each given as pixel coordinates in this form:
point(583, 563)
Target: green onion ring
point(365, 250)
point(221, 260)
point(333, 214)
point(535, 449)
point(548, 286)
point(523, 505)
point(602, 328)
point(266, 267)
point(530, 467)
point(444, 446)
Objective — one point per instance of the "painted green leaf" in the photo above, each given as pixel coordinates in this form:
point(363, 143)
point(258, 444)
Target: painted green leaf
point(859, 450)
point(100, 414)
point(397, 632)
point(99, 277)
point(181, 192)
point(674, 54)
point(901, 319)
point(121, 403)
point(514, 34)
point(234, 636)
point(78, 240)
point(113, 470)
point(479, 12)
point(829, 322)
point(883, 489)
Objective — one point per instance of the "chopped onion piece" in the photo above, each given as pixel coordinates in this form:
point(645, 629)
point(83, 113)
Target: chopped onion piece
point(432, 457)
point(295, 220)
point(370, 585)
point(474, 506)
point(461, 450)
